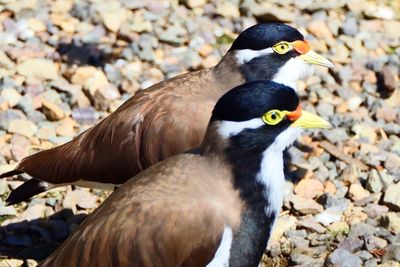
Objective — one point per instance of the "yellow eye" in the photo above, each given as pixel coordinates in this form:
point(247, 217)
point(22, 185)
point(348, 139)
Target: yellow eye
point(273, 117)
point(282, 47)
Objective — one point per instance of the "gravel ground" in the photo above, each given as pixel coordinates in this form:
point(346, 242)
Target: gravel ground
point(66, 64)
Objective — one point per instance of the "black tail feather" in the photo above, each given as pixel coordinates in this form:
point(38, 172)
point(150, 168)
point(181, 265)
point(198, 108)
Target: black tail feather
point(11, 173)
point(25, 191)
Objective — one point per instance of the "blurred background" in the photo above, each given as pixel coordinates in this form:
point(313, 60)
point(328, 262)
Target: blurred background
point(65, 64)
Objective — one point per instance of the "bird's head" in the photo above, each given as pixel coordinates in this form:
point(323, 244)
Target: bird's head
point(260, 114)
point(276, 52)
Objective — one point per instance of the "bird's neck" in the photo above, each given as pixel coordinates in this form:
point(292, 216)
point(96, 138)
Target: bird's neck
point(258, 176)
point(227, 73)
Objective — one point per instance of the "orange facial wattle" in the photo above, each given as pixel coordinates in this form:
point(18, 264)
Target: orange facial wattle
point(294, 115)
point(301, 46)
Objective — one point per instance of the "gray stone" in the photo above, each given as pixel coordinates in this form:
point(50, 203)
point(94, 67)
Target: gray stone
point(350, 26)
point(343, 258)
point(392, 196)
point(336, 135)
point(392, 253)
point(351, 244)
point(374, 183)
point(364, 255)
point(361, 229)
point(371, 263)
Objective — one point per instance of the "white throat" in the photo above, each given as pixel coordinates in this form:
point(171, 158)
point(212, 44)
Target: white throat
point(295, 69)
point(271, 172)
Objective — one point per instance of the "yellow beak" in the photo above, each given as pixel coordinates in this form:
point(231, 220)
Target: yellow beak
point(313, 58)
point(308, 120)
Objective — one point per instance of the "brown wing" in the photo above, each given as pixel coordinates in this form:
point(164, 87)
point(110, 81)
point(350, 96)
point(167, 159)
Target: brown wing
point(154, 124)
point(172, 214)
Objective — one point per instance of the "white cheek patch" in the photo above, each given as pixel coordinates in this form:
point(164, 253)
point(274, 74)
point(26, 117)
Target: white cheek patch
point(295, 69)
point(230, 128)
point(221, 258)
point(245, 55)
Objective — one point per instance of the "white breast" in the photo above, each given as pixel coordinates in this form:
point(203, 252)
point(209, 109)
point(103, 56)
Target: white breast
point(221, 258)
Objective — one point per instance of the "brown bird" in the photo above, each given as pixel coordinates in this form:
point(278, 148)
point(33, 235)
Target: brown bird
point(168, 118)
point(214, 208)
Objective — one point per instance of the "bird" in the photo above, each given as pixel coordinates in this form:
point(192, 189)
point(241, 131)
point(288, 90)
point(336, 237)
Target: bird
point(215, 207)
point(169, 117)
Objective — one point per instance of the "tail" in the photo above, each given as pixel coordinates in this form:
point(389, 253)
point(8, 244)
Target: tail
point(26, 191)
point(11, 173)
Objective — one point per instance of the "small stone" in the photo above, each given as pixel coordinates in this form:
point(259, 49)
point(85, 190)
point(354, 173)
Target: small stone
point(85, 115)
point(374, 183)
point(350, 174)
point(228, 9)
point(392, 253)
point(351, 244)
point(9, 210)
point(19, 147)
point(309, 188)
point(306, 206)
point(113, 15)
point(371, 263)
point(364, 255)
point(320, 30)
point(357, 192)
point(343, 258)
point(11, 263)
point(281, 225)
point(329, 216)
point(39, 68)
point(393, 220)
point(312, 225)
point(23, 127)
point(339, 228)
point(90, 78)
point(66, 127)
point(31, 263)
point(372, 243)
point(52, 111)
point(11, 96)
point(392, 196)
point(195, 3)
point(350, 26)
point(389, 264)
point(375, 210)
point(392, 163)
point(361, 229)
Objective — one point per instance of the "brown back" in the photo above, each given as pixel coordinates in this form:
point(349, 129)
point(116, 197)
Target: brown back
point(172, 214)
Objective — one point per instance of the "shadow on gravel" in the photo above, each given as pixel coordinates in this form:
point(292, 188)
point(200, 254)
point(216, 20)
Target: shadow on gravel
point(37, 239)
point(82, 54)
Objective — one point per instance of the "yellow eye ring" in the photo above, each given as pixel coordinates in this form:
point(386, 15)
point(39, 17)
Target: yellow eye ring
point(273, 117)
point(282, 47)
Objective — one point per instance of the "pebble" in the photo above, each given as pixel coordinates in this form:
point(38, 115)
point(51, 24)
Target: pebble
point(392, 196)
point(309, 188)
point(343, 258)
point(305, 205)
point(351, 244)
point(357, 192)
point(23, 127)
point(39, 68)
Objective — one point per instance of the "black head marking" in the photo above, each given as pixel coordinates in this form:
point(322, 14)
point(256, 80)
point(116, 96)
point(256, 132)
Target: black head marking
point(261, 36)
point(251, 100)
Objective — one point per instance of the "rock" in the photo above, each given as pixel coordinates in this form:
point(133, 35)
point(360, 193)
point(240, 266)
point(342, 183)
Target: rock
point(361, 229)
point(392, 196)
point(282, 224)
point(343, 258)
point(312, 225)
point(371, 263)
point(320, 30)
point(52, 111)
point(195, 3)
point(339, 228)
point(66, 127)
point(267, 11)
point(350, 174)
point(39, 68)
point(19, 147)
point(372, 243)
point(350, 26)
point(392, 163)
point(309, 188)
point(374, 183)
point(392, 253)
point(104, 95)
point(31, 263)
point(11, 96)
point(90, 78)
point(329, 216)
point(11, 263)
point(112, 14)
point(85, 115)
point(351, 244)
point(390, 264)
point(375, 211)
point(393, 220)
point(228, 9)
point(306, 206)
point(357, 192)
point(81, 198)
point(9, 210)
point(23, 127)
